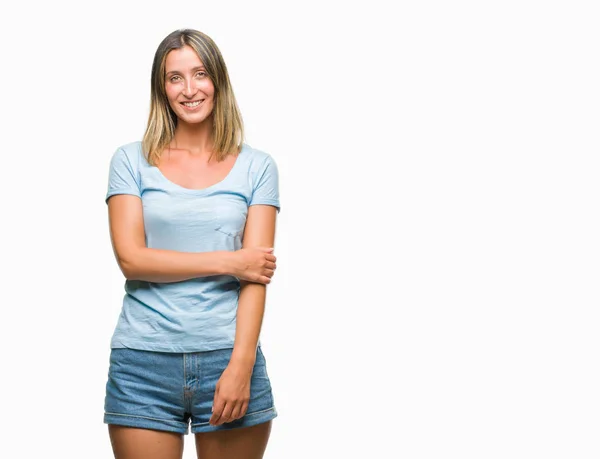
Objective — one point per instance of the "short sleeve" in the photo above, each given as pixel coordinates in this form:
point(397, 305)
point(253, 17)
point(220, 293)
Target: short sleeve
point(266, 187)
point(122, 176)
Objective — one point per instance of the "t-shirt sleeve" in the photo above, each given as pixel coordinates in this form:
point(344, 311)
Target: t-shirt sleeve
point(266, 188)
point(122, 176)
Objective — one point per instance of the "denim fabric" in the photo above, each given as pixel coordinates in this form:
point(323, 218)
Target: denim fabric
point(172, 391)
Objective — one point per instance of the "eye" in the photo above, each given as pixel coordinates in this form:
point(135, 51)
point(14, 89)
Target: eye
point(201, 73)
point(172, 79)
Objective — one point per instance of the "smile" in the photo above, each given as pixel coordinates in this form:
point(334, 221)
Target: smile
point(192, 104)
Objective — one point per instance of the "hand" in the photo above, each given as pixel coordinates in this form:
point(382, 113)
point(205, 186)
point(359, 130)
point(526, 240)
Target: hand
point(255, 264)
point(232, 395)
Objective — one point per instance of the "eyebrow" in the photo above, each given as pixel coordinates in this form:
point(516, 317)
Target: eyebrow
point(195, 68)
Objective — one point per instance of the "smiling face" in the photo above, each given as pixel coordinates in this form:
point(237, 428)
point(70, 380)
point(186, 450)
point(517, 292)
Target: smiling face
point(189, 89)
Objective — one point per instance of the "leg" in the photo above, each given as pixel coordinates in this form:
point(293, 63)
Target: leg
point(241, 443)
point(134, 443)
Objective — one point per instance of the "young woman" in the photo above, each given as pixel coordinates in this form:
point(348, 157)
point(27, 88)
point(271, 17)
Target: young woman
point(192, 212)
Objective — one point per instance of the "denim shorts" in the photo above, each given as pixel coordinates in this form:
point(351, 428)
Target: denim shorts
point(171, 391)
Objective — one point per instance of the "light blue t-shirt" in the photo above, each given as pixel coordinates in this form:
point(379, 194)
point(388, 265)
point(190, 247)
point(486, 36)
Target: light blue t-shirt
point(197, 314)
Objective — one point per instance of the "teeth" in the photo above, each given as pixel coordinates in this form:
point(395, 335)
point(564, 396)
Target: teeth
point(192, 104)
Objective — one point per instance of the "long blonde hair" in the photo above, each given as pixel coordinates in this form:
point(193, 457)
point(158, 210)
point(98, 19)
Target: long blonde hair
point(228, 126)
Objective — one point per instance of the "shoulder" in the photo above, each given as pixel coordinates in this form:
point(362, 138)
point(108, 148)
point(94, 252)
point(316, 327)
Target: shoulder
point(258, 159)
point(132, 150)
point(130, 153)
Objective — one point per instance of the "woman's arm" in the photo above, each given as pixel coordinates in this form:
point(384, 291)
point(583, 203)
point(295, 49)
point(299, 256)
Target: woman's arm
point(259, 231)
point(137, 262)
point(232, 393)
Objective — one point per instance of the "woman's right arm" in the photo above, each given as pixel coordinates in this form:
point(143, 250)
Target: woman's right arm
point(138, 262)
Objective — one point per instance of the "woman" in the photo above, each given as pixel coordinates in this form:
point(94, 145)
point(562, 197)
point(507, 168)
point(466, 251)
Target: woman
point(192, 213)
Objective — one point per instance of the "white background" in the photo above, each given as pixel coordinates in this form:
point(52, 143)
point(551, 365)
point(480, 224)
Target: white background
point(438, 254)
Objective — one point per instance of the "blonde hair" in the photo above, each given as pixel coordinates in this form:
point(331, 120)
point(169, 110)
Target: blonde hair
point(228, 127)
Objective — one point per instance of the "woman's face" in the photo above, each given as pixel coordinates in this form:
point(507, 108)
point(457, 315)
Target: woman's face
point(189, 89)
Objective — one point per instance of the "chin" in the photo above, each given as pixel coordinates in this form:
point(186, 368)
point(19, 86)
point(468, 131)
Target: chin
point(193, 120)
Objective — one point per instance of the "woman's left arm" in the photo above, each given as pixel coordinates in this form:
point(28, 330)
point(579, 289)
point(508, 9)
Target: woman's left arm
point(259, 232)
point(233, 389)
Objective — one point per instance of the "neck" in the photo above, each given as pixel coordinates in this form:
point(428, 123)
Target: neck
point(196, 138)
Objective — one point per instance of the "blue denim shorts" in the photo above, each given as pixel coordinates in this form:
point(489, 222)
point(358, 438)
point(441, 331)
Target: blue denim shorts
point(171, 391)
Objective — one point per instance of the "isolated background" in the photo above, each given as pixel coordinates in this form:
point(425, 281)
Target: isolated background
point(438, 258)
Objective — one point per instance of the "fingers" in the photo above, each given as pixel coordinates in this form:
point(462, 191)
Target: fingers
point(218, 407)
point(230, 412)
point(244, 409)
point(269, 257)
point(267, 273)
point(258, 279)
point(226, 416)
point(259, 269)
point(240, 410)
point(236, 412)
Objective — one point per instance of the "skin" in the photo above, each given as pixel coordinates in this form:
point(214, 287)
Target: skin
point(189, 163)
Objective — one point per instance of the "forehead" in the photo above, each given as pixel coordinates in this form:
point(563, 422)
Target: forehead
point(182, 59)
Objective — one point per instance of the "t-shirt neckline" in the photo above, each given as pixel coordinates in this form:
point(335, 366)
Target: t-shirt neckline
point(196, 190)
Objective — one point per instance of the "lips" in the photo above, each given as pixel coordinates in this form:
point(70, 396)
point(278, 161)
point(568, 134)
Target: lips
point(194, 104)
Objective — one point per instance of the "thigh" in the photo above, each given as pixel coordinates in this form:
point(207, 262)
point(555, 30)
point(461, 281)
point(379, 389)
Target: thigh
point(240, 443)
point(134, 443)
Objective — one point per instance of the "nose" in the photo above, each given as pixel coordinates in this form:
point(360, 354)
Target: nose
point(189, 89)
